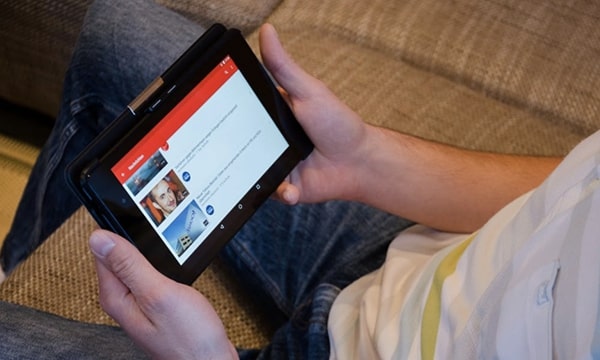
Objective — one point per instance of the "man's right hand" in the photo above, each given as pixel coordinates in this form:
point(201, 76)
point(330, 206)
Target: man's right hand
point(437, 185)
point(338, 132)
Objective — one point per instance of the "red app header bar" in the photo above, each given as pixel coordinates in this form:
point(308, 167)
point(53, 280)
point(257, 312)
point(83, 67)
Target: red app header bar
point(160, 134)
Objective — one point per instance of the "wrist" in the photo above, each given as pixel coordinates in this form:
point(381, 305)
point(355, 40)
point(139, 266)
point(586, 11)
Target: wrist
point(371, 164)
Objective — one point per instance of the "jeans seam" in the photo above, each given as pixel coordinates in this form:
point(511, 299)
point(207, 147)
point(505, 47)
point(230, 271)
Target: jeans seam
point(324, 292)
point(53, 161)
point(70, 131)
point(115, 57)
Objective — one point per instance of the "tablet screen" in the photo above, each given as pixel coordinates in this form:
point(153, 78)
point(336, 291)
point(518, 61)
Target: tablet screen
point(200, 160)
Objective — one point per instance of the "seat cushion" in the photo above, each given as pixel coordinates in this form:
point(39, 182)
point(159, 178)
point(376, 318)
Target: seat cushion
point(60, 278)
point(509, 75)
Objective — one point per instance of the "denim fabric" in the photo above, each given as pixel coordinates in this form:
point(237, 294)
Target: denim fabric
point(123, 47)
point(29, 334)
point(293, 260)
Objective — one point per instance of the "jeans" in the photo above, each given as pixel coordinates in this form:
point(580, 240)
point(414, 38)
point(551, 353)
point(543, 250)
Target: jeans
point(293, 260)
point(122, 48)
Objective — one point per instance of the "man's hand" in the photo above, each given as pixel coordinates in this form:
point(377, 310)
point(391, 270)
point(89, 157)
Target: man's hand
point(433, 184)
point(166, 319)
point(337, 132)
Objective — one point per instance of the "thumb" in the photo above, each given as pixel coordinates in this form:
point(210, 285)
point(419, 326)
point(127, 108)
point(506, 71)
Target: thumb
point(296, 82)
point(122, 271)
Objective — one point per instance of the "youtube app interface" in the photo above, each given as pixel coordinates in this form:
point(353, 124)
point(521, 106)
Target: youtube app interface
point(193, 168)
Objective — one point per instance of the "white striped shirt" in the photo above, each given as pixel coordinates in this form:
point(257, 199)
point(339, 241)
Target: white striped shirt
point(526, 286)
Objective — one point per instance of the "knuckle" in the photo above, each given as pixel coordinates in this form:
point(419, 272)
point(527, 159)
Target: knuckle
point(106, 302)
point(159, 301)
point(124, 267)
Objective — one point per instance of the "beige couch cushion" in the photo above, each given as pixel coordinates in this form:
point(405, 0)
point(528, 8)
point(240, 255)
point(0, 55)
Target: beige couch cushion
point(245, 15)
point(60, 278)
point(508, 75)
point(511, 75)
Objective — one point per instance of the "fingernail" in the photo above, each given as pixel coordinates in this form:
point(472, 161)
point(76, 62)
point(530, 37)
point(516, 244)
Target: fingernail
point(101, 244)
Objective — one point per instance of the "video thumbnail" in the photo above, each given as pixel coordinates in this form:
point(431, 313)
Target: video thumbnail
point(146, 173)
point(186, 228)
point(164, 197)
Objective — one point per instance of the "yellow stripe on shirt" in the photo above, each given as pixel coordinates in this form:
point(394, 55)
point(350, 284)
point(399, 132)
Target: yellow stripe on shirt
point(432, 310)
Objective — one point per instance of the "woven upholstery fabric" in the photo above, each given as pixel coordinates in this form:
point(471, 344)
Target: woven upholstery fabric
point(508, 75)
point(245, 15)
point(16, 161)
point(60, 278)
point(36, 43)
point(37, 39)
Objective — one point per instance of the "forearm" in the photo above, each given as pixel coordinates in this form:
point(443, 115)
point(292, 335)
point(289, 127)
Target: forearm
point(441, 186)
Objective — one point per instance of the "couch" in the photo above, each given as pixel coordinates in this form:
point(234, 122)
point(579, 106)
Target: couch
point(513, 76)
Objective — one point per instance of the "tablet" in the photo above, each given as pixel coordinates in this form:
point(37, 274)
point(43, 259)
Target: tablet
point(191, 159)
